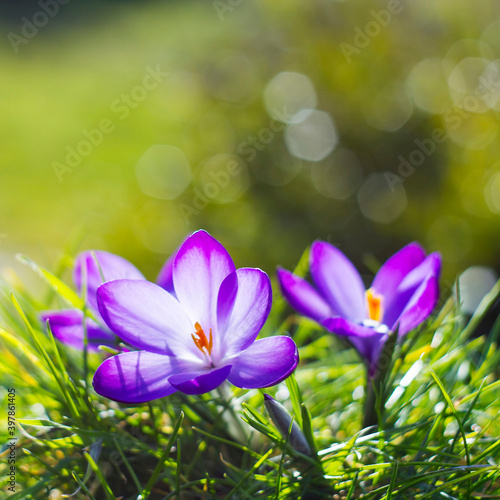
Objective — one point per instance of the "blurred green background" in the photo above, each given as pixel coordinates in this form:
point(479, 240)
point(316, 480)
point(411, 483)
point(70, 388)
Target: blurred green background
point(270, 124)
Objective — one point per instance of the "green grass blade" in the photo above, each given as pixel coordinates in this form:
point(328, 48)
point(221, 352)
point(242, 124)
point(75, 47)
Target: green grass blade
point(178, 469)
point(393, 482)
point(458, 419)
point(159, 466)
point(60, 382)
point(454, 411)
point(129, 467)
point(307, 428)
point(257, 415)
point(249, 473)
point(61, 366)
point(59, 286)
point(107, 490)
point(296, 397)
point(481, 310)
point(81, 485)
point(233, 444)
point(350, 493)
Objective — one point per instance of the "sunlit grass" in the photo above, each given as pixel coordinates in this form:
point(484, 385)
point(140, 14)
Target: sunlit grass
point(438, 439)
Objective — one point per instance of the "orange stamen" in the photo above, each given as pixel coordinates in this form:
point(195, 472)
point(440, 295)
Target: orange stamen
point(375, 309)
point(202, 342)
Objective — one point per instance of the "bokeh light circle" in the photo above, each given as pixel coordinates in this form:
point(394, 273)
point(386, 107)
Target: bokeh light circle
point(313, 138)
point(426, 83)
point(491, 35)
point(492, 193)
point(474, 283)
point(389, 109)
point(491, 81)
point(468, 87)
point(381, 201)
point(469, 130)
point(339, 177)
point(223, 178)
point(467, 47)
point(279, 169)
point(287, 94)
point(163, 172)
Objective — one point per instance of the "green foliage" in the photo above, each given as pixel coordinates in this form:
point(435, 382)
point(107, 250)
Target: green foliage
point(436, 407)
point(437, 437)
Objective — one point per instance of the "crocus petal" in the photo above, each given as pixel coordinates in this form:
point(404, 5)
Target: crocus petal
point(244, 302)
point(200, 266)
point(100, 267)
point(266, 362)
point(135, 377)
point(67, 327)
point(201, 381)
point(302, 296)
point(430, 266)
point(338, 280)
point(147, 317)
point(165, 278)
point(395, 269)
point(367, 340)
point(420, 305)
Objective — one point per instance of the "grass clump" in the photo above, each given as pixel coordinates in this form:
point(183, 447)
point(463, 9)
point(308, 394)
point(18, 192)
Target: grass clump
point(436, 436)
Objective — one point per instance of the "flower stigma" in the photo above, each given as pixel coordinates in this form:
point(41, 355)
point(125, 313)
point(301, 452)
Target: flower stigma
point(200, 339)
point(374, 301)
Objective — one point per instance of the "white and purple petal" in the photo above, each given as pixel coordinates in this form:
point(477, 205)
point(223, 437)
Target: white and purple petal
point(243, 305)
point(430, 266)
point(302, 296)
point(136, 377)
point(338, 281)
point(67, 327)
point(165, 277)
point(200, 267)
point(201, 381)
point(367, 340)
point(419, 307)
point(394, 270)
point(266, 362)
point(230, 306)
point(147, 317)
point(97, 267)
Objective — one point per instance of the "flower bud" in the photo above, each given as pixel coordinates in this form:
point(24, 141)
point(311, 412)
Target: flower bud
point(281, 419)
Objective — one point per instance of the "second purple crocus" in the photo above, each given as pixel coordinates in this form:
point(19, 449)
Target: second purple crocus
point(93, 267)
point(196, 337)
point(402, 295)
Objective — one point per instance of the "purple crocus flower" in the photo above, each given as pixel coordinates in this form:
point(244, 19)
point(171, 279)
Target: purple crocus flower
point(195, 338)
point(402, 295)
point(67, 325)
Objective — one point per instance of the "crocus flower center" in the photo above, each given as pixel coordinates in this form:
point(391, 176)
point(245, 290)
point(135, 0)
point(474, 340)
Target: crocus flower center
point(200, 339)
point(374, 302)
